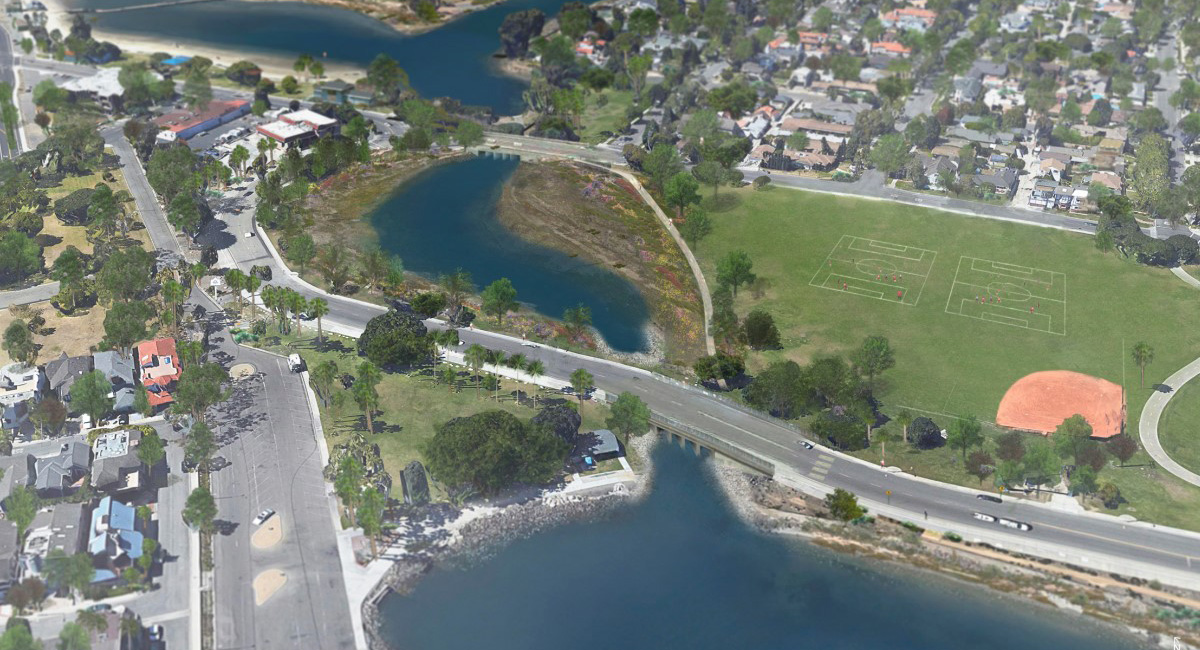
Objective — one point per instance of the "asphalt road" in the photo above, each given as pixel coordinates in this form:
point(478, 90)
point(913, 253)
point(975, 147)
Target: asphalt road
point(44, 291)
point(266, 431)
point(161, 234)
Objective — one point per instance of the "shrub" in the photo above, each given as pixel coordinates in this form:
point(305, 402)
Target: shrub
point(925, 434)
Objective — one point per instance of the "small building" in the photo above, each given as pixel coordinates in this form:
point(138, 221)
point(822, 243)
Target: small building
point(115, 464)
point(10, 546)
point(185, 124)
point(63, 473)
point(114, 539)
point(61, 527)
point(1003, 181)
point(159, 369)
point(118, 368)
point(320, 124)
point(104, 88)
point(62, 372)
point(336, 91)
point(287, 133)
point(967, 89)
point(600, 444)
point(21, 386)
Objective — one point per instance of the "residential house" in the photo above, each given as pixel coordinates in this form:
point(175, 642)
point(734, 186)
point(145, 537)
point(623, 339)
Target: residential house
point(61, 527)
point(913, 18)
point(335, 91)
point(363, 94)
point(21, 386)
point(1015, 22)
point(113, 635)
point(935, 168)
point(62, 474)
point(814, 128)
point(893, 48)
point(967, 89)
point(62, 372)
point(1003, 181)
point(159, 367)
point(118, 368)
point(115, 464)
point(114, 539)
point(1055, 168)
point(1107, 179)
point(10, 547)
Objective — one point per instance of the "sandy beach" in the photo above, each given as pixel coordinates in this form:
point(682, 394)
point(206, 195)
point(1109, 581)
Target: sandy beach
point(274, 67)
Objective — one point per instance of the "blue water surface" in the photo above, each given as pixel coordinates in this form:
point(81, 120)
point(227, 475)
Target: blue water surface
point(454, 60)
point(680, 572)
point(445, 218)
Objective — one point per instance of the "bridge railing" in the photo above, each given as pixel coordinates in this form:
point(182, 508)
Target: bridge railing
point(705, 439)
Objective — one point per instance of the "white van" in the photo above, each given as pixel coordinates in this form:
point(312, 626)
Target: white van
point(295, 363)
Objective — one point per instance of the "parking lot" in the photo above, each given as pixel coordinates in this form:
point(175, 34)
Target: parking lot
point(266, 430)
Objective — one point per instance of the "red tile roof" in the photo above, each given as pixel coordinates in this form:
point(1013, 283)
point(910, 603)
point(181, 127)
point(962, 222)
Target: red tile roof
point(159, 369)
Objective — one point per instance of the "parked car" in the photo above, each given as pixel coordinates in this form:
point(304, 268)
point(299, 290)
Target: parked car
point(806, 444)
point(218, 463)
point(155, 632)
point(263, 516)
point(989, 497)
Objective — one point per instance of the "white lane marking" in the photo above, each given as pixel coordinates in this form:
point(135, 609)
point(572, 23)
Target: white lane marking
point(749, 433)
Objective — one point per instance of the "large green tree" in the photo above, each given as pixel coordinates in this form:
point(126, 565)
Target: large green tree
point(200, 510)
point(90, 395)
point(491, 450)
point(735, 269)
point(628, 416)
point(499, 298)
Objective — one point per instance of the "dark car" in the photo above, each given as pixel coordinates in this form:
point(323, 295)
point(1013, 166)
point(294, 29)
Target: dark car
point(806, 444)
point(218, 463)
point(989, 497)
point(187, 466)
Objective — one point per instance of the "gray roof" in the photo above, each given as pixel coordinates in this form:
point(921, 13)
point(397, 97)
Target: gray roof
point(9, 547)
point(985, 68)
point(604, 442)
point(64, 468)
point(968, 87)
point(118, 368)
point(16, 473)
point(111, 470)
point(1006, 178)
point(63, 371)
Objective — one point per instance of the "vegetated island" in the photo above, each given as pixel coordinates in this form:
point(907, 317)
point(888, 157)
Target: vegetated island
point(409, 16)
point(599, 217)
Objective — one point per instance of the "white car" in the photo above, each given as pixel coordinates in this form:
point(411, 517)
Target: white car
point(263, 516)
point(250, 234)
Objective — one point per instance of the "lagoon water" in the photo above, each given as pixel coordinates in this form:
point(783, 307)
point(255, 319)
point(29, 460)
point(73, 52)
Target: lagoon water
point(445, 218)
point(679, 571)
point(451, 61)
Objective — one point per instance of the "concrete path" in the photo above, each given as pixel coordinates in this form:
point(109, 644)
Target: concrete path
point(1185, 276)
point(1148, 425)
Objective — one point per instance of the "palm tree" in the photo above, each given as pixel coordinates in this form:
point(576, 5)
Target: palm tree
point(496, 358)
point(884, 436)
point(297, 304)
point(317, 308)
point(173, 294)
point(535, 368)
point(236, 281)
point(905, 418)
point(251, 285)
point(1143, 354)
point(475, 356)
point(370, 373)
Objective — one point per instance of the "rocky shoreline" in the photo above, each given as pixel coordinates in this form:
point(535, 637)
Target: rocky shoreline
point(1128, 608)
point(481, 537)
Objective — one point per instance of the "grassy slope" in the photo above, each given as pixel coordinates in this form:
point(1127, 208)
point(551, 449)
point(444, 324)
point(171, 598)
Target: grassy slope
point(948, 364)
point(609, 117)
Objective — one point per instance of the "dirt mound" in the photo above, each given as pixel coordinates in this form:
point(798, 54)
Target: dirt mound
point(1042, 400)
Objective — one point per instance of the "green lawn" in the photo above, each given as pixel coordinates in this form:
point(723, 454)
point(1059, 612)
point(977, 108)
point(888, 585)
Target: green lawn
point(956, 364)
point(412, 405)
point(1179, 428)
point(607, 117)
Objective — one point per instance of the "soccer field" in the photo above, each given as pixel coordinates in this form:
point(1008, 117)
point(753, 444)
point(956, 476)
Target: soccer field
point(970, 305)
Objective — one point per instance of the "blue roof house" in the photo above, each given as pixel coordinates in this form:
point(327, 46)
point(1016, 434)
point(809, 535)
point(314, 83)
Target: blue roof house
point(114, 542)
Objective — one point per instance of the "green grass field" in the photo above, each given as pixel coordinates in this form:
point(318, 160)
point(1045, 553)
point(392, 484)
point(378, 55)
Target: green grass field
point(958, 311)
point(1179, 428)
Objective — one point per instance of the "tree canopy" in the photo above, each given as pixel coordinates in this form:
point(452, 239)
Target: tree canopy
point(492, 450)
